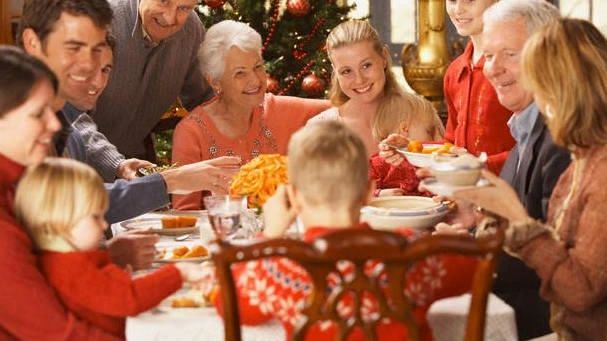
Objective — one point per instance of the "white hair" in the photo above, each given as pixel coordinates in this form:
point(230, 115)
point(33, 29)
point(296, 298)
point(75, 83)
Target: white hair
point(536, 13)
point(218, 39)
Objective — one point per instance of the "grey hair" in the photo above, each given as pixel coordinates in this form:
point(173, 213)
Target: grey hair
point(218, 39)
point(536, 13)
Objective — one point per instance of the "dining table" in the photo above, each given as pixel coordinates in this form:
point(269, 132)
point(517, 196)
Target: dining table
point(446, 317)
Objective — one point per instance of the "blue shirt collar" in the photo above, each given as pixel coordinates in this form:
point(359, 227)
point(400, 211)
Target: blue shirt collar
point(521, 123)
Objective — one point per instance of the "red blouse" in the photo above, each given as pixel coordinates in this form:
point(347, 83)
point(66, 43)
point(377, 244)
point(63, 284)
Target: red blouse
point(476, 119)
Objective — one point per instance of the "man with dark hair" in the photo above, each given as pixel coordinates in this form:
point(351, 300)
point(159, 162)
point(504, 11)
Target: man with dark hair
point(73, 51)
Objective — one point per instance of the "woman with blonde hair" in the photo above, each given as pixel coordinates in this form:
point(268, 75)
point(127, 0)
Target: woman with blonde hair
point(565, 65)
point(242, 119)
point(362, 79)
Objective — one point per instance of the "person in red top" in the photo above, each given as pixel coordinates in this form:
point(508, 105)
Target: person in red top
point(30, 308)
point(62, 203)
point(411, 116)
point(328, 175)
point(476, 119)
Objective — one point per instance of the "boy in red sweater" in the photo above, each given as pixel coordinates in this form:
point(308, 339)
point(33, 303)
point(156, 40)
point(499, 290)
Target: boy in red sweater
point(328, 174)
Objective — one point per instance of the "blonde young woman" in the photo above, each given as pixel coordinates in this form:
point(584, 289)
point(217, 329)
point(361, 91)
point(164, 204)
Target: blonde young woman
point(242, 119)
point(362, 79)
point(565, 66)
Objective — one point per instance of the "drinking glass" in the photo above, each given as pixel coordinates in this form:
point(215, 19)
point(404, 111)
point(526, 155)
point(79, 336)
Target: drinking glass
point(225, 212)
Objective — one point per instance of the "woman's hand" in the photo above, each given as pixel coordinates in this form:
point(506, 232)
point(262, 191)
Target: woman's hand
point(499, 198)
point(278, 214)
point(213, 175)
point(387, 152)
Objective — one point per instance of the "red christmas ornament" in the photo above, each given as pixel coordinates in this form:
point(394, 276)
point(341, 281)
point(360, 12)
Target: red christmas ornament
point(214, 3)
point(313, 85)
point(272, 85)
point(298, 8)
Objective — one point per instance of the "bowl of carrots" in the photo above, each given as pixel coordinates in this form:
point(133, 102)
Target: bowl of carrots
point(422, 154)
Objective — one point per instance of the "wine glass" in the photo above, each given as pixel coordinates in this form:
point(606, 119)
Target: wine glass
point(225, 213)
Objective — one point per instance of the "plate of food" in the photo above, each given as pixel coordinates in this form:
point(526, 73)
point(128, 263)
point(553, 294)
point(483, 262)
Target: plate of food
point(169, 225)
point(422, 154)
point(195, 253)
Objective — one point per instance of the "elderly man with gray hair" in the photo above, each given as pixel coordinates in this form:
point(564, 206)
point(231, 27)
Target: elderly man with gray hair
point(535, 163)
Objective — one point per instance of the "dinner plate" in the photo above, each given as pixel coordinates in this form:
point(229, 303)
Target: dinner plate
point(181, 260)
point(166, 257)
point(156, 225)
point(446, 190)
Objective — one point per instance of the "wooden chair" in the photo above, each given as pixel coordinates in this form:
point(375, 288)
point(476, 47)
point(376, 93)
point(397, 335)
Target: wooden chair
point(359, 246)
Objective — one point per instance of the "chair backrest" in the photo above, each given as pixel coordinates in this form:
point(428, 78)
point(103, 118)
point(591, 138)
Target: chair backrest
point(358, 246)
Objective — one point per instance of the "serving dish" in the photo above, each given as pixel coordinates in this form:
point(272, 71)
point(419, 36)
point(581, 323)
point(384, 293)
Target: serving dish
point(440, 188)
point(156, 225)
point(388, 213)
point(424, 160)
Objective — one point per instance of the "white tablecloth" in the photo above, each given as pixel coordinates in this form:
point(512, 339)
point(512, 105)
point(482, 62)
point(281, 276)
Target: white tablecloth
point(186, 324)
point(447, 318)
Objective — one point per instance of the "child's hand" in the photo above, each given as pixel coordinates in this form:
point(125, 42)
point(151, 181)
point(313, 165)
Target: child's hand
point(278, 213)
point(387, 151)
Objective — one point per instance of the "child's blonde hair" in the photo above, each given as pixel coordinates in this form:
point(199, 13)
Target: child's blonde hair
point(54, 195)
point(410, 109)
point(328, 165)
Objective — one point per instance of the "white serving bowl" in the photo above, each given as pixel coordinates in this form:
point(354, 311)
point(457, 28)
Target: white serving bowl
point(388, 213)
point(462, 171)
point(458, 177)
point(425, 160)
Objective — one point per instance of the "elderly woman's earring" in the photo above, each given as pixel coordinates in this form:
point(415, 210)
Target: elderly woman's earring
point(218, 92)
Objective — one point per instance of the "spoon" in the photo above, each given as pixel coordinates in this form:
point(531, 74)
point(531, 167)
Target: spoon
point(182, 237)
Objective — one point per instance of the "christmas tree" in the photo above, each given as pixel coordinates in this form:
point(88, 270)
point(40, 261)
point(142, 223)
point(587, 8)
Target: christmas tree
point(293, 34)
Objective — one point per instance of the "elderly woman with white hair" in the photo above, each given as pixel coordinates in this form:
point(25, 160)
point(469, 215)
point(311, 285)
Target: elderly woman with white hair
point(242, 119)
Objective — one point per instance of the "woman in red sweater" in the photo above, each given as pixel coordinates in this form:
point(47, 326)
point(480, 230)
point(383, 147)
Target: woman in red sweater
point(30, 308)
point(328, 175)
